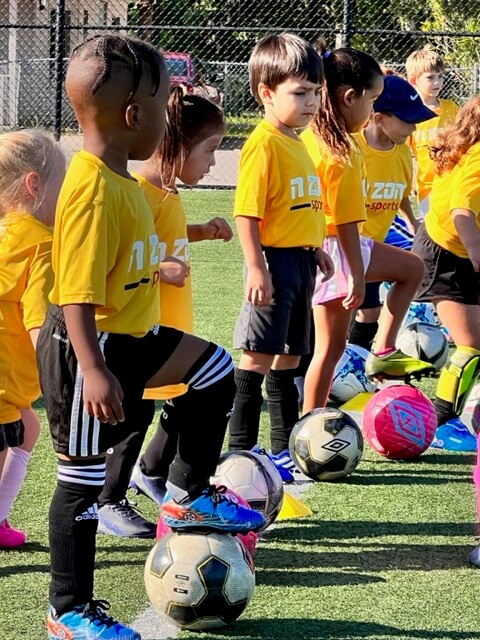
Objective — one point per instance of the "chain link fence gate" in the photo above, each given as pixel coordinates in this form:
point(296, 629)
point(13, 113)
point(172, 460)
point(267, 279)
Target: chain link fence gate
point(208, 42)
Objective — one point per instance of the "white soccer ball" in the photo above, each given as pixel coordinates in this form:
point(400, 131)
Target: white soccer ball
point(424, 341)
point(255, 478)
point(350, 378)
point(326, 444)
point(199, 580)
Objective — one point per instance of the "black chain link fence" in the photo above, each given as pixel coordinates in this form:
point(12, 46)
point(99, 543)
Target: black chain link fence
point(207, 44)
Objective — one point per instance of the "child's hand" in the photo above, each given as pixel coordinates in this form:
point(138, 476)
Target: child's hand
point(356, 292)
point(258, 287)
point(218, 229)
point(103, 395)
point(325, 264)
point(173, 271)
point(474, 256)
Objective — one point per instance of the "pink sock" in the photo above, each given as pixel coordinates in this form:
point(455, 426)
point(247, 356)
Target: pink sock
point(12, 478)
point(385, 352)
point(476, 479)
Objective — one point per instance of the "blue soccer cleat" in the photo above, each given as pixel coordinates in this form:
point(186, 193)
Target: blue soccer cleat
point(211, 511)
point(475, 556)
point(88, 622)
point(283, 463)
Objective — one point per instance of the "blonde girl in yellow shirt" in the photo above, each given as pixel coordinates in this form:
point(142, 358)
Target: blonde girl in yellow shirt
point(32, 168)
point(195, 129)
point(449, 243)
point(354, 81)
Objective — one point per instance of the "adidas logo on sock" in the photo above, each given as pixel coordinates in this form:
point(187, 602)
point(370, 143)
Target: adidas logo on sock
point(90, 514)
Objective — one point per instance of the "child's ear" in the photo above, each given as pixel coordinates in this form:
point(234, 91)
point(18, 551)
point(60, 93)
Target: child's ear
point(349, 96)
point(32, 183)
point(265, 93)
point(377, 118)
point(133, 115)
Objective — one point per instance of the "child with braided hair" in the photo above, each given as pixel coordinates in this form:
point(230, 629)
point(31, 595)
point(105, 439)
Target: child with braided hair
point(101, 344)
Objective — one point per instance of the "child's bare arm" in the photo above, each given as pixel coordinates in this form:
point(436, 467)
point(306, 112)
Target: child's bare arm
point(466, 225)
point(102, 393)
point(258, 287)
point(349, 240)
point(325, 264)
point(406, 212)
point(215, 229)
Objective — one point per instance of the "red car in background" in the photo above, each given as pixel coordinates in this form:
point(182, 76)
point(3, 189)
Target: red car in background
point(181, 68)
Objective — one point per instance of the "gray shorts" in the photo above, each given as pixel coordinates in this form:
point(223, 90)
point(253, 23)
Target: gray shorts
point(282, 327)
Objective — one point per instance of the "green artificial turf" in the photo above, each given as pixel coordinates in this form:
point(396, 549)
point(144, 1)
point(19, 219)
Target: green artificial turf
point(384, 555)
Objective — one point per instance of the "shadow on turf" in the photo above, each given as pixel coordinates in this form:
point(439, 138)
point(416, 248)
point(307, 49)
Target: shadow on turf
point(45, 568)
point(387, 557)
point(314, 529)
point(301, 629)
point(409, 477)
point(313, 579)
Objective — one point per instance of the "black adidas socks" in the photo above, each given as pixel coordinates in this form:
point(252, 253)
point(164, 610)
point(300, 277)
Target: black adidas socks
point(73, 520)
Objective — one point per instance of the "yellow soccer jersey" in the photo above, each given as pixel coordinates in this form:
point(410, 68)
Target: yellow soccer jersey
point(457, 189)
point(26, 277)
point(278, 185)
point(343, 185)
point(422, 137)
point(389, 180)
point(105, 249)
point(176, 303)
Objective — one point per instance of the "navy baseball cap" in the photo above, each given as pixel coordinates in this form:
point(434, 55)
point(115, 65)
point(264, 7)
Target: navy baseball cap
point(400, 99)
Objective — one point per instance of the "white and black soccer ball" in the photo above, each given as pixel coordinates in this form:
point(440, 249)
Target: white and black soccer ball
point(425, 342)
point(326, 444)
point(199, 580)
point(255, 478)
point(350, 378)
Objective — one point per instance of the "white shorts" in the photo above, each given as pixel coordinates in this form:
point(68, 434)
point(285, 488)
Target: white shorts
point(423, 207)
point(337, 286)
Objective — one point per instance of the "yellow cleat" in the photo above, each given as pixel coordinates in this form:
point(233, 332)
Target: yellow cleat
point(397, 366)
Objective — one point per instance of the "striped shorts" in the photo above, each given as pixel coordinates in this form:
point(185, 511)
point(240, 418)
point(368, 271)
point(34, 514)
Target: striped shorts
point(133, 361)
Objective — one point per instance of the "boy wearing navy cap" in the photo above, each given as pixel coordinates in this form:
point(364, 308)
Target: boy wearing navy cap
point(389, 171)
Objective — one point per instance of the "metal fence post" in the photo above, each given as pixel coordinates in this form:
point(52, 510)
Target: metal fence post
point(348, 8)
point(59, 56)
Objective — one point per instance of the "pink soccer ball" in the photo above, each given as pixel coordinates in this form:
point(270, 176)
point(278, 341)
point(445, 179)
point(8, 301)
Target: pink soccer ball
point(399, 422)
point(249, 539)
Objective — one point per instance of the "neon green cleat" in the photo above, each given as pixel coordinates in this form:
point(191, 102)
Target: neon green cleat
point(397, 366)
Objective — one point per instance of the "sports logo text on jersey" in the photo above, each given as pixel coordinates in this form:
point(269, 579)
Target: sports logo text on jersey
point(179, 250)
point(382, 191)
point(297, 187)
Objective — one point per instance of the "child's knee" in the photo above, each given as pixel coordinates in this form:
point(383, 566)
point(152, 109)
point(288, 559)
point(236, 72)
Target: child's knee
point(416, 269)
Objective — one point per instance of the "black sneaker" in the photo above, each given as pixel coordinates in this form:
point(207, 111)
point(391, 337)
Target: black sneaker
point(151, 486)
point(123, 520)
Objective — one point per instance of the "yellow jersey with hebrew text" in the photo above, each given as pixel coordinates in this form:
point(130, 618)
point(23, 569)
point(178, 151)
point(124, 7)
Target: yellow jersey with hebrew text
point(278, 184)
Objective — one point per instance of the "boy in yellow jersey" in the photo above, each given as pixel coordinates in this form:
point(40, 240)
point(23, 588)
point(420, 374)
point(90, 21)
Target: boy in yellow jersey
point(101, 344)
point(449, 243)
point(280, 223)
point(425, 70)
point(389, 172)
